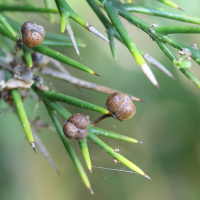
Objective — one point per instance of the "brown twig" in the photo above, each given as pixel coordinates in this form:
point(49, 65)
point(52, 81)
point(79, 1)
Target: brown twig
point(79, 82)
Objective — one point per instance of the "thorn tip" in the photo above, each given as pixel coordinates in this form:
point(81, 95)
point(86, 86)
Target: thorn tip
point(181, 9)
point(146, 176)
point(147, 71)
point(142, 100)
point(91, 191)
point(33, 146)
point(173, 77)
point(96, 74)
point(158, 87)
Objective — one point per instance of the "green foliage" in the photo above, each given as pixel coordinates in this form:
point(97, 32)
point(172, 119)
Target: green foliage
point(115, 29)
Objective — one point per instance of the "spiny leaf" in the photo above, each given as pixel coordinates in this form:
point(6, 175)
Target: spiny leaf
point(170, 3)
point(110, 134)
point(6, 24)
point(162, 13)
point(84, 148)
point(70, 100)
point(62, 58)
point(115, 155)
point(21, 112)
point(48, 5)
point(20, 8)
point(6, 33)
point(129, 1)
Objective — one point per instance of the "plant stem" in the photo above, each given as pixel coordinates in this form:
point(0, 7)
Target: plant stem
point(16, 8)
point(165, 30)
point(162, 13)
point(172, 57)
point(95, 122)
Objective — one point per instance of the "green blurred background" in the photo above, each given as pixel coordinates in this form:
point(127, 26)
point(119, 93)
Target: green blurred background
point(167, 123)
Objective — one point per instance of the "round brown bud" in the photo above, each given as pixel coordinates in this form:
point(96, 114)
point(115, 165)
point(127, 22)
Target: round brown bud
point(81, 134)
point(76, 126)
point(32, 35)
point(70, 130)
point(27, 26)
point(121, 106)
point(79, 120)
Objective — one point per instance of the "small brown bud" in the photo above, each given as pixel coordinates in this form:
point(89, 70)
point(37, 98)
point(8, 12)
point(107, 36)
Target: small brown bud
point(32, 35)
point(79, 120)
point(76, 126)
point(70, 130)
point(121, 106)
